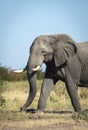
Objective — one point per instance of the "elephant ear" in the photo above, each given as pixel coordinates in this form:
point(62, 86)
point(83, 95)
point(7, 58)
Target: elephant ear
point(63, 52)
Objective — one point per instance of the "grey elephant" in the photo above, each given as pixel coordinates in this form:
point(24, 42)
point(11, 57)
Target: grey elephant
point(65, 60)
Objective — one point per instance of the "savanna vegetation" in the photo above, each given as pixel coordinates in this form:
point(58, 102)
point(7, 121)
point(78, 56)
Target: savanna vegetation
point(58, 114)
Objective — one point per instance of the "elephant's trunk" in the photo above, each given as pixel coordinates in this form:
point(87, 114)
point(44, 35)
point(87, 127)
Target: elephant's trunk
point(32, 90)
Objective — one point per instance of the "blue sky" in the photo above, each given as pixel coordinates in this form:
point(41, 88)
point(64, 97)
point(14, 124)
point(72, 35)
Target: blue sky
point(22, 20)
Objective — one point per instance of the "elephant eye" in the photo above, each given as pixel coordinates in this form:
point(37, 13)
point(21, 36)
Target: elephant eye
point(44, 53)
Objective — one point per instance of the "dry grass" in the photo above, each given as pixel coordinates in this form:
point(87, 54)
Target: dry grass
point(58, 109)
point(15, 95)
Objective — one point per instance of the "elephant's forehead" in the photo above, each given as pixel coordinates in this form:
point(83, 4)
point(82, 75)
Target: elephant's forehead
point(35, 47)
point(38, 44)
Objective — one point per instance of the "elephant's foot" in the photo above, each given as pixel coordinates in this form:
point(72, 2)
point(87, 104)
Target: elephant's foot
point(22, 109)
point(78, 110)
point(40, 109)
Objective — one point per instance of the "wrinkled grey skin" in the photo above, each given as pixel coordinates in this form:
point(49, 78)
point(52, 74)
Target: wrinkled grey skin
point(65, 60)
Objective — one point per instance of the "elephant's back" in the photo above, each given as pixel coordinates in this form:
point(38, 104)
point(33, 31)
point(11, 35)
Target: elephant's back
point(82, 52)
point(83, 47)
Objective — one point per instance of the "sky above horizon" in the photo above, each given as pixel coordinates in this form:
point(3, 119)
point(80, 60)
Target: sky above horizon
point(22, 20)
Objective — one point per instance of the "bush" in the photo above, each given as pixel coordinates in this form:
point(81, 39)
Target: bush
point(40, 75)
point(4, 73)
point(7, 74)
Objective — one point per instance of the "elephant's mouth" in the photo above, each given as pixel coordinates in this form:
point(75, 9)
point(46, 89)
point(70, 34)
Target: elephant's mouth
point(32, 72)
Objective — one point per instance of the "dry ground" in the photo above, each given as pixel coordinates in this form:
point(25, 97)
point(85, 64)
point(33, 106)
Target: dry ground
point(59, 120)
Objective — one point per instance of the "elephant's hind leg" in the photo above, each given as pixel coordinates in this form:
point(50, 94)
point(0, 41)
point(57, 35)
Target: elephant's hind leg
point(73, 92)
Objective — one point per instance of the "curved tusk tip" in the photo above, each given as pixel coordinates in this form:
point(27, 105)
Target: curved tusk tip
point(18, 71)
point(36, 69)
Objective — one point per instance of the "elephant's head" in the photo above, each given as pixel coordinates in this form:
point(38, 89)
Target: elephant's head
point(40, 52)
point(44, 49)
point(48, 47)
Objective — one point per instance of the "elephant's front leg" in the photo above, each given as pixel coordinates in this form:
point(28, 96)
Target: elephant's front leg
point(47, 86)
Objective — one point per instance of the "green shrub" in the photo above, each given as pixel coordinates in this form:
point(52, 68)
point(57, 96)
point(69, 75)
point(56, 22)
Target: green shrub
point(40, 75)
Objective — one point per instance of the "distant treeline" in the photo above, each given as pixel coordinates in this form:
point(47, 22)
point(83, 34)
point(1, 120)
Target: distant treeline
point(7, 74)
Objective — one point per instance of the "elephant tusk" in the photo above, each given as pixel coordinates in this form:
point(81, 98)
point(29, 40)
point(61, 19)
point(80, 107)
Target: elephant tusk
point(18, 71)
point(36, 69)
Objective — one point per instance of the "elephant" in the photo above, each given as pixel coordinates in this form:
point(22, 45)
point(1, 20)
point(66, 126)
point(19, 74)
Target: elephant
point(65, 60)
